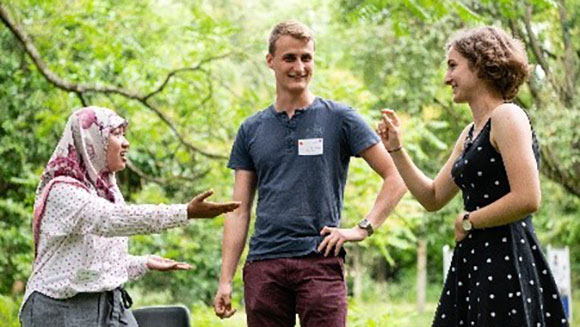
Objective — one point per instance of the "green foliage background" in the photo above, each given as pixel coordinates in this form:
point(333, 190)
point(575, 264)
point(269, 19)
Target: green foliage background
point(370, 54)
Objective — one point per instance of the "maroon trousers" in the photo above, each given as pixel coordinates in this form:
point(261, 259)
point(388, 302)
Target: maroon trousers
point(313, 287)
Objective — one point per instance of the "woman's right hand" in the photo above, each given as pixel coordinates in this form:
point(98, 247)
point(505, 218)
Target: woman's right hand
point(389, 130)
point(155, 262)
point(199, 208)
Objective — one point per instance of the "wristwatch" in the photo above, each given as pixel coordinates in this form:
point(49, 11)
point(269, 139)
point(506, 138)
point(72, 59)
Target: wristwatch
point(366, 225)
point(466, 223)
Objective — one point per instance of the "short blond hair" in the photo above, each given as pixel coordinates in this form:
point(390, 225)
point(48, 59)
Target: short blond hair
point(293, 28)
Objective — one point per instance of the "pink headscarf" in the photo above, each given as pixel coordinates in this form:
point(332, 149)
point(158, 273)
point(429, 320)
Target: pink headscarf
point(80, 159)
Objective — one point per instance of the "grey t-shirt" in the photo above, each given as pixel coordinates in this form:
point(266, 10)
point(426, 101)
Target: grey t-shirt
point(301, 165)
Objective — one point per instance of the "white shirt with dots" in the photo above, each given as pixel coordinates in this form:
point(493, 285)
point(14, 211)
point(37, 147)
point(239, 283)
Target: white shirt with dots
point(83, 244)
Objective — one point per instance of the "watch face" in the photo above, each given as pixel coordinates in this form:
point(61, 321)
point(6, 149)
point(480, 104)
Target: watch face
point(365, 224)
point(466, 224)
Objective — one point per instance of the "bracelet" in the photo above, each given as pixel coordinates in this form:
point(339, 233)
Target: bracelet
point(395, 150)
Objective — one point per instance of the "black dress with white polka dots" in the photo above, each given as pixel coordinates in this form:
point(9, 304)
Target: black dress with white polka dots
point(498, 276)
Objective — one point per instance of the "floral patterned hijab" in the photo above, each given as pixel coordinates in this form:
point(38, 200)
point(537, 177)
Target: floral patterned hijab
point(80, 159)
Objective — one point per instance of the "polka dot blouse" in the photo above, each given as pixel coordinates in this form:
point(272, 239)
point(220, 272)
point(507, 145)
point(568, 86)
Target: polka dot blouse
point(83, 244)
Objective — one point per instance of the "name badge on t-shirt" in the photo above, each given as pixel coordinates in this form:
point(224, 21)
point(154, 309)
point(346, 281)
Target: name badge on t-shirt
point(310, 147)
point(87, 276)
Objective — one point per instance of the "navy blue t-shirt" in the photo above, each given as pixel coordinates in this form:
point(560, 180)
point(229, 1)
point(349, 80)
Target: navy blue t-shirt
point(300, 189)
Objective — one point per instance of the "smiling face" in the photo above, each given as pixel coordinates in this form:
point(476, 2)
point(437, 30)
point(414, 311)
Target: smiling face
point(461, 77)
point(117, 149)
point(292, 63)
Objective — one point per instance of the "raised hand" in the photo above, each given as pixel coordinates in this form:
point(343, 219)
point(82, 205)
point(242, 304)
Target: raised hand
point(155, 262)
point(199, 208)
point(389, 130)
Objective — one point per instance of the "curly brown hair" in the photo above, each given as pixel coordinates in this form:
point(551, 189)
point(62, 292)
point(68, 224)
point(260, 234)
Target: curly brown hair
point(290, 27)
point(496, 56)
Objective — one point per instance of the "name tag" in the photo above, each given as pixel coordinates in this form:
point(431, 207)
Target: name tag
point(310, 147)
point(87, 276)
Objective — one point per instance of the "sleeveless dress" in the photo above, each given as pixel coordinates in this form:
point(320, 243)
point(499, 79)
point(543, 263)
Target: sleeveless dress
point(498, 276)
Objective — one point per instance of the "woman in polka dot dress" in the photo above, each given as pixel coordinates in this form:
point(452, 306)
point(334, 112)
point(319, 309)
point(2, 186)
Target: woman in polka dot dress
point(81, 224)
point(498, 275)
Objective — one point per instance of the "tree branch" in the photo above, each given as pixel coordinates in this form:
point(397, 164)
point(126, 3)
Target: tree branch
point(569, 67)
point(209, 95)
point(537, 51)
point(553, 172)
point(80, 88)
point(164, 181)
point(533, 41)
point(520, 102)
point(448, 109)
point(181, 70)
point(82, 99)
point(531, 82)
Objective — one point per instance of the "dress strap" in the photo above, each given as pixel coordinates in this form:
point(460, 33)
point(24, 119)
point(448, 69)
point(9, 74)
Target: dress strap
point(469, 138)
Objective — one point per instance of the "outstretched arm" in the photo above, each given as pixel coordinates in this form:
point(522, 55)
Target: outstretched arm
point(79, 212)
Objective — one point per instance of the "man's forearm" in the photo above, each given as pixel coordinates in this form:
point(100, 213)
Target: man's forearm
point(235, 235)
point(391, 193)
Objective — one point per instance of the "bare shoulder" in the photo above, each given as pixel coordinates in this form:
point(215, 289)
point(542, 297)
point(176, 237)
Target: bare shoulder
point(508, 114)
point(509, 122)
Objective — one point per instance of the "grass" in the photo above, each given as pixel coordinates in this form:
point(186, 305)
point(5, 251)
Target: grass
point(394, 311)
point(359, 315)
point(363, 314)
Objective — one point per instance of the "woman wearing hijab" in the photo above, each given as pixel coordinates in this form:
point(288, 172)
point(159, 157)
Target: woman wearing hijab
point(498, 275)
point(81, 223)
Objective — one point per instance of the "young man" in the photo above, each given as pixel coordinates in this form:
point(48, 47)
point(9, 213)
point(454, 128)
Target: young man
point(296, 153)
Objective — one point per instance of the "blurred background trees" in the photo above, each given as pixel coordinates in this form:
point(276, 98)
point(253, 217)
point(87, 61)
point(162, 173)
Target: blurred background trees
point(186, 74)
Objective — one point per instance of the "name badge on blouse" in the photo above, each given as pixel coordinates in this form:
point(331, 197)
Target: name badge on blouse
point(310, 147)
point(87, 276)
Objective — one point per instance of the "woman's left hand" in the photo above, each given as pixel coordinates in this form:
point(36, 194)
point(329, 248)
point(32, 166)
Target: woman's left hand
point(155, 262)
point(460, 233)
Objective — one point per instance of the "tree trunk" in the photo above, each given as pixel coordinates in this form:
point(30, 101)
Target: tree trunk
point(421, 273)
point(358, 274)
